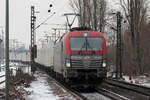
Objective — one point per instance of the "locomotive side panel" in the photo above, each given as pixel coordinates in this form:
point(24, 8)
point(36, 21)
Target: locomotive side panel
point(58, 58)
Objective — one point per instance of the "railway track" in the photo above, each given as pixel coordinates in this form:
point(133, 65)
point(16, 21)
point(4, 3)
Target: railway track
point(76, 92)
point(94, 95)
point(133, 87)
point(111, 89)
point(111, 94)
point(119, 90)
point(73, 92)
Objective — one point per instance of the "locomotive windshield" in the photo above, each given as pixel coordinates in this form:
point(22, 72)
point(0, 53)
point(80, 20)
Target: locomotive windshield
point(86, 44)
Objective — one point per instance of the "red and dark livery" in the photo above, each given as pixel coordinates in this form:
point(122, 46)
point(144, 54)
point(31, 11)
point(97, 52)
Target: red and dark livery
point(80, 57)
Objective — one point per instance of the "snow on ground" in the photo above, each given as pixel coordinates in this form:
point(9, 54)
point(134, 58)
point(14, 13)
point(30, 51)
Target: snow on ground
point(40, 89)
point(2, 73)
point(139, 80)
point(2, 79)
point(13, 67)
point(46, 88)
point(2, 85)
point(126, 78)
point(146, 84)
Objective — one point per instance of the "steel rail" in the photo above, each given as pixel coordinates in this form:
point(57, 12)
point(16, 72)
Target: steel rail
point(132, 87)
point(111, 94)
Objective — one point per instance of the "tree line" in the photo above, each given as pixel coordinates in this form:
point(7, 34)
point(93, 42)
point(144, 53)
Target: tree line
point(92, 13)
point(136, 37)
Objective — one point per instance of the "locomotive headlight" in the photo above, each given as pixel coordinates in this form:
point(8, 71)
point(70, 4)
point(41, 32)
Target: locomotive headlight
point(85, 34)
point(68, 63)
point(104, 65)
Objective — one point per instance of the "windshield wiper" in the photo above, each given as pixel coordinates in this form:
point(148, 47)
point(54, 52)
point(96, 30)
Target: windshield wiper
point(82, 47)
point(92, 49)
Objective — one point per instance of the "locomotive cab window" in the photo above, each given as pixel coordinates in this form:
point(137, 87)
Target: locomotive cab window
point(86, 43)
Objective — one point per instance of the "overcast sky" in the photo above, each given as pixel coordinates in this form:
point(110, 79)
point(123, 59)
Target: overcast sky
point(20, 11)
point(20, 16)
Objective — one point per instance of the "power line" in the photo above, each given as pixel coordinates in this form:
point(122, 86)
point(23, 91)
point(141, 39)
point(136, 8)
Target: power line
point(44, 21)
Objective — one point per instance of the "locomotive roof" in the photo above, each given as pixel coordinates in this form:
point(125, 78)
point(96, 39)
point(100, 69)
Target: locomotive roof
point(90, 32)
point(75, 33)
point(80, 30)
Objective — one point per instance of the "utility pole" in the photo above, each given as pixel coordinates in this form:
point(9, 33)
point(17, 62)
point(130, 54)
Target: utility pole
point(42, 42)
point(55, 34)
point(14, 49)
point(0, 53)
point(119, 46)
point(32, 46)
point(3, 54)
point(1, 48)
point(55, 31)
point(47, 37)
point(7, 50)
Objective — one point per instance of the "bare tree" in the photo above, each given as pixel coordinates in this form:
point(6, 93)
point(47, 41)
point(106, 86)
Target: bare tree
point(92, 13)
point(135, 12)
point(102, 15)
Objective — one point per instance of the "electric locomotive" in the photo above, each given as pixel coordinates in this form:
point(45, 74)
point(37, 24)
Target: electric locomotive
point(80, 57)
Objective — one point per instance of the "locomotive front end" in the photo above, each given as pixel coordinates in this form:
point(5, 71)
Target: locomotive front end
point(85, 61)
